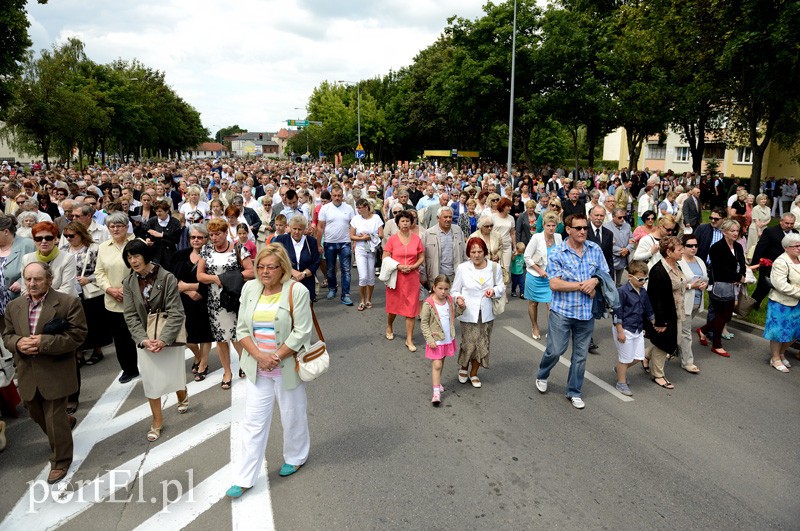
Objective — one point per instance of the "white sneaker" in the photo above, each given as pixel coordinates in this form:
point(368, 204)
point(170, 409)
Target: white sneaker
point(577, 402)
point(541, 385)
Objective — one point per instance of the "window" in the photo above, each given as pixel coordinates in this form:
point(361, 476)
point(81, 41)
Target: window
point(656, 152)
point(744, 155)
point(714, 151)
point(682, 154)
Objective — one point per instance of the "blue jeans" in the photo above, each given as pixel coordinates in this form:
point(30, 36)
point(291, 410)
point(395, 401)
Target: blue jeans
point(343, 251)
point(559, 331)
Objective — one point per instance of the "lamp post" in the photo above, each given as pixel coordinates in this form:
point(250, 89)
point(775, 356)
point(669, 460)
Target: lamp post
point(306, 110)
point(358, 95)
point(511, 103)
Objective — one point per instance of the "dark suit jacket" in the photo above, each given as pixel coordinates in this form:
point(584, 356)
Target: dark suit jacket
point(606, 244)
point(769, 245)
point(723, 269)
point(569, 208)
point(691, 215)
point(703, 233)
point(52, 372)
point(252, 219)
point(523, 228)
point(309, 259)
point(163, 248)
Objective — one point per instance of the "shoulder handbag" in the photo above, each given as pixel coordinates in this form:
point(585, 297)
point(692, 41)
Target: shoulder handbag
point(158, 320)
point(498, 303)
point(90, 290)
point(315, 361)
point(745, 303)
point(723, 291)
point(229, 295)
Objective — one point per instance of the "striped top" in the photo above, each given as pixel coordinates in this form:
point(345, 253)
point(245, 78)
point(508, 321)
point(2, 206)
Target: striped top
point(264, 328)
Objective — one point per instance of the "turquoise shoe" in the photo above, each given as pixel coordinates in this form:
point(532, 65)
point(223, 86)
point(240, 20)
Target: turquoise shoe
point(236, 491)
point(288, 470)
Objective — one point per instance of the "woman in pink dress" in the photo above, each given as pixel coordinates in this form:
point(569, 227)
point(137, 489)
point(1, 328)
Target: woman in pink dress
point(406, 248)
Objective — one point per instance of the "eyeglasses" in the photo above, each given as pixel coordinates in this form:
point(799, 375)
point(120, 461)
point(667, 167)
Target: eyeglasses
point(620, 217)
point(269, 267)
point(651, 218)
point(715, 219)
point(69, 236)
point(488, 226)
point(580, 227)
point(691, 245)
point(43, 238)
point(642, 279)
point(201, 237)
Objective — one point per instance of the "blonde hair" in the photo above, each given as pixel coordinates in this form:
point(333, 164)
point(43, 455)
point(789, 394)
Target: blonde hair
point(278, 251)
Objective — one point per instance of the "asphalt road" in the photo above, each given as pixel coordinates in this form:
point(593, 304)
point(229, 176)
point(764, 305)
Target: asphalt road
point(718, 452)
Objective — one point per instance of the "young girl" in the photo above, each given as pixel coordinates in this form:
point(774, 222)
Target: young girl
point(243, 235)
point(438, 327)
point(518, 271)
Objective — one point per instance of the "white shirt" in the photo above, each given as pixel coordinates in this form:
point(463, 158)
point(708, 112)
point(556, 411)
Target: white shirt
point(367, 226)
point(298, 248)
point(337, 222)
point(443, 312)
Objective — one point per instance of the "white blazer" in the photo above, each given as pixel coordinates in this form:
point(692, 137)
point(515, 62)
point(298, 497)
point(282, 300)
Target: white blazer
point(472, 284)
point(688, 298)
point(536, 252)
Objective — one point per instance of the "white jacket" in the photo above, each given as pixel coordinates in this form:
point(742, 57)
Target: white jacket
point(536, 252)
point(389, 272)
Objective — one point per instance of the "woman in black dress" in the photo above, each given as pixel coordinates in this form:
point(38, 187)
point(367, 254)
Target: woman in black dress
point(194, 296)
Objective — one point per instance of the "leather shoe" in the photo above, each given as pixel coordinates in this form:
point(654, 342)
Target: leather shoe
point(56, 475)
point(72, 422)
point(593, 348)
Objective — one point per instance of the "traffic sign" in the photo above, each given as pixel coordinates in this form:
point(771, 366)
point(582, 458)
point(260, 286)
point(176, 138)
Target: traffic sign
point(360, 152)
point(297, 123)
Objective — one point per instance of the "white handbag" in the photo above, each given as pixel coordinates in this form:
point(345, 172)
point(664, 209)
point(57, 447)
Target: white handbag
point(315, 360)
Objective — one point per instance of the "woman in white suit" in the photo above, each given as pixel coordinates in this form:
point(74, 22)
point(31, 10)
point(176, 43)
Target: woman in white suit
point(477, 282)
point(694, 271)
point(537, 285)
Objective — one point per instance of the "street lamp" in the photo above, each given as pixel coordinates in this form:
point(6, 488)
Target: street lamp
point(358, 93)
point(306, 110)
point(511, 104)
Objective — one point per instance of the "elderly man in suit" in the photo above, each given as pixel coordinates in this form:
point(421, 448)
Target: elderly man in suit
point(604, 238)
point(445, 248)
point(623, 243)
point(303, 253)
point(43, 329)
point(692, 209)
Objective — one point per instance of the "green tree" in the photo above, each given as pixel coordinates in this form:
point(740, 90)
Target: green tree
point(227, 131)
point(14, 44)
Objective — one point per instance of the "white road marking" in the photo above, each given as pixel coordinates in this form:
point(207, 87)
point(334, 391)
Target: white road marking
point(587, 375)
point(256, 504)
point(192, 504)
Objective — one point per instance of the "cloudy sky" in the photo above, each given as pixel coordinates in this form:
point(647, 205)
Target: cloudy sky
point(250, 62)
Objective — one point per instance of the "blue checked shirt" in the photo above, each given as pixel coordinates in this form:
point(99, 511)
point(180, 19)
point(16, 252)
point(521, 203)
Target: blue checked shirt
point(564, 263)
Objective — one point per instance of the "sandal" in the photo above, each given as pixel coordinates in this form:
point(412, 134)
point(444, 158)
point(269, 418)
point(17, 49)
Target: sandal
point(72, 408)
point(368, 305)
point(96, 357)
point(154, 433)
point(226, 385)
point(361, 307)
point(778, 365)
point(241, 373)
point(389, 335)
point(646, 368)
point(183, 405)
point(194, 367)
point(666, 385)
point(201, 375)
point(727, 336)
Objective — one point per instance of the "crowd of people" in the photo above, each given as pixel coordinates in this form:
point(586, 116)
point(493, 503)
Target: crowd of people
point(161, 257)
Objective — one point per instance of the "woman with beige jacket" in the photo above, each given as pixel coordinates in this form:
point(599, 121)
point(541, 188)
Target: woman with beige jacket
point(782, 327)
point(274, 323)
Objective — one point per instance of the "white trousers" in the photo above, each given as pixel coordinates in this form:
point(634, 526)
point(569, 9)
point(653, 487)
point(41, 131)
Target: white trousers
point(257, 420)
point(365, 263)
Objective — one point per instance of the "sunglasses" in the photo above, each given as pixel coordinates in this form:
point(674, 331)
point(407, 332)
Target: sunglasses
point(43, 238)
point(691, 245)
point(197, 237)
point(69, 236)
point(580, 227)
point(715, 219)
point(641, 279)
point(649, 219)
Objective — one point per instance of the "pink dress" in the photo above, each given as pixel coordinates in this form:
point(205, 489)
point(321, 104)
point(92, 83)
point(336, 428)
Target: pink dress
point(404, 299)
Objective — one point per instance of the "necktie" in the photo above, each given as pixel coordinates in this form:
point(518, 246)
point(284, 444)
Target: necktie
point(597, 234)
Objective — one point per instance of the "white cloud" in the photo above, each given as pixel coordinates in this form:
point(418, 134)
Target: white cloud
point(250, 62)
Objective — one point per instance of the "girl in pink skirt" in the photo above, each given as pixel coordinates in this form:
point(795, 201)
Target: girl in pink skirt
point(438, 327)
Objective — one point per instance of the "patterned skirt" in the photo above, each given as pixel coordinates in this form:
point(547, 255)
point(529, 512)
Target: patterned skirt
point(475, 343)
point(783, 322)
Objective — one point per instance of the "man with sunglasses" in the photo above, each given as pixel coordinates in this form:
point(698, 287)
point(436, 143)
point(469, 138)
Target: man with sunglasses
point(572, 267)
point(709, 233)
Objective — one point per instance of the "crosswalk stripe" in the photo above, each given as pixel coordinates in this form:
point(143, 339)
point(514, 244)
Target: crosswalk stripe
point(587, 375)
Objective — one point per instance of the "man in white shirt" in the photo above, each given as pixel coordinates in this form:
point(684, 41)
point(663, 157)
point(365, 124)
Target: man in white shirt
point(334, 229)
point(247, 196)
